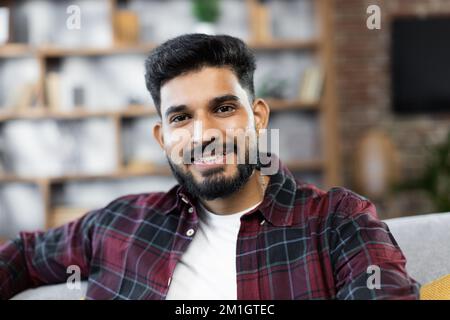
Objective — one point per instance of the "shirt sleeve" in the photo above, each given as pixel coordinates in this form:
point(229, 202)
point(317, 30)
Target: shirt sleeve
point(367, 261)
point(38, 258)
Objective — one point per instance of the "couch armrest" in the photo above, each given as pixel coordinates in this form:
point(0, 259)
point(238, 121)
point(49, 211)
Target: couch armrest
point(53, 292)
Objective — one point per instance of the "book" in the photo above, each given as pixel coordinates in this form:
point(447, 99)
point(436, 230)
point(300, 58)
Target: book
point(261, 25)
point(311, 86)
point(27, 97)
point(126, 27)
point(52, 86)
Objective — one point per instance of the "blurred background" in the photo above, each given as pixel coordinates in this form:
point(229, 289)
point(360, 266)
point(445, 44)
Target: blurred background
point(360, 91)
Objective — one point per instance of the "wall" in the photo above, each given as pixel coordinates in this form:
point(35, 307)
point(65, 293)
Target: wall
point(363, 85)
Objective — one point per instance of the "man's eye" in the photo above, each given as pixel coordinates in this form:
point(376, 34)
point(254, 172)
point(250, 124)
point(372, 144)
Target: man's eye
point(179, 118)
point(225, 109)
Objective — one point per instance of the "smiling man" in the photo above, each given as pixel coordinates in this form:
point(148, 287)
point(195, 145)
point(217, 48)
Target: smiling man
point(227, 230)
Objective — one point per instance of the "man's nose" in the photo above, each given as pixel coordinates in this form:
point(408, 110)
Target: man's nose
point(204, 131)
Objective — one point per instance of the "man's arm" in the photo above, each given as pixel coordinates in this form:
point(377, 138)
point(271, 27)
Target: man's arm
point(37, 258)
point(368, 262)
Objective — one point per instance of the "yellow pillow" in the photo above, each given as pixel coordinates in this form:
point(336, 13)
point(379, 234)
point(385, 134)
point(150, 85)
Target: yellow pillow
point(436, 290)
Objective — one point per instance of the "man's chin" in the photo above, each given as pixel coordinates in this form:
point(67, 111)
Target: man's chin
point(222, 171)
point(210, 174)
point(217, 182)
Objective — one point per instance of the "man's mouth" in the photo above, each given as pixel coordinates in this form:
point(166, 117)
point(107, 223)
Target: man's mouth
point(210, 160)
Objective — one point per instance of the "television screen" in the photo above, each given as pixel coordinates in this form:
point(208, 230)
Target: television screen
point(421, 65)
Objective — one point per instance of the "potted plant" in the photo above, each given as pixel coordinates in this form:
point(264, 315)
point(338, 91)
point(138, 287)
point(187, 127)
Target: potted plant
point(435, 180)
point(207, 13)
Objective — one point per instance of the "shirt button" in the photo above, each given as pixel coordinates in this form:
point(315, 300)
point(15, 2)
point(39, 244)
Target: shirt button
point(262, 222)
point(190, 210)
point(190, 232)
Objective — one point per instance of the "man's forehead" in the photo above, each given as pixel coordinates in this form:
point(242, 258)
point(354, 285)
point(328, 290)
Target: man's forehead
point(200, 86)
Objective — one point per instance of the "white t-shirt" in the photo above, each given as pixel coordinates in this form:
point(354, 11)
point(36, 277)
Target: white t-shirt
point(207, 270)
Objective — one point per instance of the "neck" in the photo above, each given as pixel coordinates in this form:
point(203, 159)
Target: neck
point(249, 195)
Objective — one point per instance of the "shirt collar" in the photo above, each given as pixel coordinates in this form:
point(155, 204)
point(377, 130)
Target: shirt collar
point(277, 206)
point(279, 200)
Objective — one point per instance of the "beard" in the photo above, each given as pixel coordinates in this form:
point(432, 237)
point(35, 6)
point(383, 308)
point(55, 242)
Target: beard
point(214, 185)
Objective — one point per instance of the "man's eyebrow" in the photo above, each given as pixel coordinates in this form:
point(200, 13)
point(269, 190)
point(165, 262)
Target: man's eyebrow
point(176, 108)
point(227, 97)
point(213, 102)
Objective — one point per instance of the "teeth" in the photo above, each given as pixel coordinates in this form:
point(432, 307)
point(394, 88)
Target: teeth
point(210, 159)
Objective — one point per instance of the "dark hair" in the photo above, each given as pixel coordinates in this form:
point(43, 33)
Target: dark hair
point(191, 52)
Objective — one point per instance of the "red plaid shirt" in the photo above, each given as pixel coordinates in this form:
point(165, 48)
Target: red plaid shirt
point(312, 245)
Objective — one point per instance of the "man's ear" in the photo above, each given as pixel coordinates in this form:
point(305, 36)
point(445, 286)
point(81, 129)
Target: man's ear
point(158, 134)
point(261, 112)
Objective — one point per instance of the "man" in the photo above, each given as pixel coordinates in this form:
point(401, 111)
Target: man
point(227, 231)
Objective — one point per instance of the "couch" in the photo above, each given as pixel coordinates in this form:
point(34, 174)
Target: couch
point(425, 241)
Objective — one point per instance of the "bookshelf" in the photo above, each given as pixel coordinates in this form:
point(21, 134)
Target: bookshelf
point(327, 165)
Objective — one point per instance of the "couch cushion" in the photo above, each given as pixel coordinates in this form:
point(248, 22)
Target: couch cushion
point(53, 292)
point(437, 290)
point(425, 241)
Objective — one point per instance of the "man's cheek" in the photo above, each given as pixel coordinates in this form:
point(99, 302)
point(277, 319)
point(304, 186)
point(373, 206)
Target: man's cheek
point(178, 143)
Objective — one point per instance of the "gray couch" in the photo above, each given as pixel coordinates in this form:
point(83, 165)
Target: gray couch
point(425, 241)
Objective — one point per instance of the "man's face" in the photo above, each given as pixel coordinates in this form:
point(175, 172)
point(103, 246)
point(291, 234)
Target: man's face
point(199, 110)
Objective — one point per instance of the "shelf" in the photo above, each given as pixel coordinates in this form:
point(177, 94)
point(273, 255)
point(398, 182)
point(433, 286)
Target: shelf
point(282, 105)
point(305, 165)
point(156, 170)
point(79, 113)
point(60, 52)
point(137, 111)
point(159, 170)
point(20, 49)
point(14, 50)
point(277, 44)
point(13, 178)
point(133, 111)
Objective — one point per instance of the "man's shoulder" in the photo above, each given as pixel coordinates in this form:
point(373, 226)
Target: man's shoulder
point(144, 199)
point(135, 206)
point(336, 202)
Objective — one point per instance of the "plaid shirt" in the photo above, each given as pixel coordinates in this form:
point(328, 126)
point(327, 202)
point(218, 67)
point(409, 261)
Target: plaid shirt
point(299, 243)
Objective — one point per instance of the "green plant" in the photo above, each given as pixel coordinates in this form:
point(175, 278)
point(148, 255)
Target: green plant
point(435, 180)
point(206, 10)
point(272, 88)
